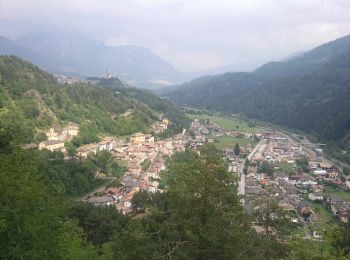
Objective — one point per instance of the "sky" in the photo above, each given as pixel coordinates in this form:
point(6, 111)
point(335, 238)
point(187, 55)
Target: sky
point(193, 35)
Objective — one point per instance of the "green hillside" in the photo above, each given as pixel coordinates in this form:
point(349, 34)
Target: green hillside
point(33, 99)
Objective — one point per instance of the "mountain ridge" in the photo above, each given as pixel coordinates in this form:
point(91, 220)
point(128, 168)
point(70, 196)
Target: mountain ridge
point(289, 93)
point(80, 55)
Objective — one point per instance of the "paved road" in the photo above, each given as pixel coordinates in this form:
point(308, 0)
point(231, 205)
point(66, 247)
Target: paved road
point(241, 184)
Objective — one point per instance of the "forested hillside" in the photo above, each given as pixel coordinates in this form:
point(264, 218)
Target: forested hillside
point(33, 97)
point(310, 92)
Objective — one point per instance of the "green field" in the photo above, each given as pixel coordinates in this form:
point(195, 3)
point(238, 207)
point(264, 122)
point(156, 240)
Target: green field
point(329, 190)
point(229, 142)
point(324, 215)
point(227, 123)
point(325, 218)
point(286, 167)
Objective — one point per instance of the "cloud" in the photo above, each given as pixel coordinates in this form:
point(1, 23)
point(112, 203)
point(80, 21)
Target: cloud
point(192, 35)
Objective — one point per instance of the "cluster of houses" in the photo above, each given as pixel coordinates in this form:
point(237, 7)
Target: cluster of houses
point(159, 127)
point(68, 80)
point(294, 189)
point(56, 137)
point(144, 159)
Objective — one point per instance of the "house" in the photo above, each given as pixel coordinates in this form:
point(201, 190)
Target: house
point(316, 196)
point(113, 191)
point(30, 146)
point(127, 199)
point(347, 183)
point(317, 187)
point(72, 130)
point(138, 138)
point(304, 209)
point(51, 134)
point(159, 165)
point(106, 200)
point(254, 191)
point(149, 138)
point(343, 214)
point(165, 123)
point(153, 187)
point(141, 152)
point(152, 172)
point(308, 182)
point(86, 149)
point(119, 156)
point(320, 172)
point(180, 147)
point(134, 169)
point(105, 145)
point(325, 165)
point(340, 209)
point(136, 160)
point(333, 175)
point(288, 188)
point(165, 151)
point(62, 134)
point(159, 160)
point(52, 145)
point(131, 185)
point(151, 146)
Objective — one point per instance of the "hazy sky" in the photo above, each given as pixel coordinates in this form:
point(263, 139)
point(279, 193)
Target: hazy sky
point(193, 34)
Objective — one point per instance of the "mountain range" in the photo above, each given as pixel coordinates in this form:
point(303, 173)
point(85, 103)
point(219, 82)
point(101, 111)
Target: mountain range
point(309, 92)
point(80, 55)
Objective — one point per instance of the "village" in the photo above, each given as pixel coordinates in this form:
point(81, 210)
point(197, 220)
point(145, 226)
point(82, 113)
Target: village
point(143, 157)
point(297, 177)
point(295, 188)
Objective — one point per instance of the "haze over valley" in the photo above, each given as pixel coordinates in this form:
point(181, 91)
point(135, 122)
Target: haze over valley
point(174, 129)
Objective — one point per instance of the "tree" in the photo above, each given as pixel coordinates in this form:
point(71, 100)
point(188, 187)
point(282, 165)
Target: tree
point(100, 224)
point(140, 201)
point(236, 149)
point(269, 216)
point(145, 164)
point(346, 170)
point(71, 149)
point(202, 217)
point(266, 167)
point(32, 216)
point(40, 137)
point(303, 164)
point(105, 163)
point(246, 166)
point(340, 239)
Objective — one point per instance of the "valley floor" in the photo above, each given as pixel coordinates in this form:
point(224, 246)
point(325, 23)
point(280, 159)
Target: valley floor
point(311, 189)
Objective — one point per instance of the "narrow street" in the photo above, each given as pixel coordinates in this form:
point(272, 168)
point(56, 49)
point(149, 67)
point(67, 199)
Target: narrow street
point(241, 184)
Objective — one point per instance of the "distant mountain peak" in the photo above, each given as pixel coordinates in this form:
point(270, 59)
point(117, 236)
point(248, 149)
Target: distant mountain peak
point(81, 55)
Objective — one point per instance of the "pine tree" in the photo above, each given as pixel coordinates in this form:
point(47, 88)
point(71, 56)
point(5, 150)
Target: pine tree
point(237, 150)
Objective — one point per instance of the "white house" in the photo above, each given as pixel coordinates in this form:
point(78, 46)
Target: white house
point(316, 196)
